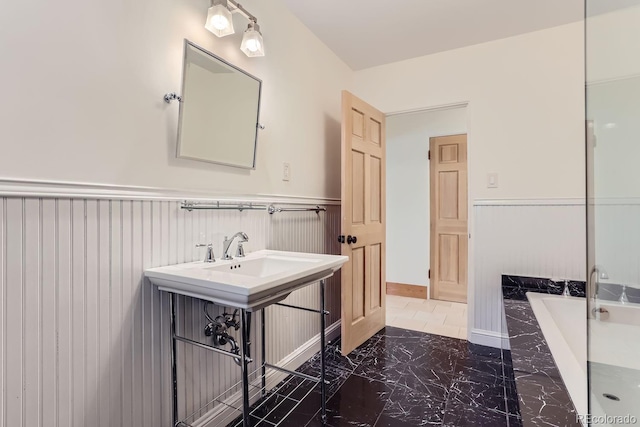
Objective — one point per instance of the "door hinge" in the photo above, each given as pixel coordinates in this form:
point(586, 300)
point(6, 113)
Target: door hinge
point(429, 274)
point(429, 155)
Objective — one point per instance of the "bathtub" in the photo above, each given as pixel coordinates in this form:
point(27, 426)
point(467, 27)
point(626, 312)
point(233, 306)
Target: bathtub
point(561, 320)
point(614, 359)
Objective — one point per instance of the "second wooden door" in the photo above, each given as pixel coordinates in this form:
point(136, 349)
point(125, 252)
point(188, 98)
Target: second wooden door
point(449, 230)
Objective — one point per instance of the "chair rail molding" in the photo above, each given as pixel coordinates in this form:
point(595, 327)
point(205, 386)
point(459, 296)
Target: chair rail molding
point(11, 187)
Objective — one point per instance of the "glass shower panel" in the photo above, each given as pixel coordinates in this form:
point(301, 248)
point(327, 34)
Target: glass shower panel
point(613, 210)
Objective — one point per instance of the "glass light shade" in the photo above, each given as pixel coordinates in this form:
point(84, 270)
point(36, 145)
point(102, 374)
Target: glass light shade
point(219, 20)
point(252, 43)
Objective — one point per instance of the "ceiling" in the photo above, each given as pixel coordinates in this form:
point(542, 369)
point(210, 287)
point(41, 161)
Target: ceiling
point(366, 33)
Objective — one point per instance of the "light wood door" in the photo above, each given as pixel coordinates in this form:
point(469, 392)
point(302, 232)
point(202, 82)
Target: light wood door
point(363, 217)
point(449, 232)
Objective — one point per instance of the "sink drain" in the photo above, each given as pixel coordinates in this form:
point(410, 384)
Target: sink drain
point(611, 397)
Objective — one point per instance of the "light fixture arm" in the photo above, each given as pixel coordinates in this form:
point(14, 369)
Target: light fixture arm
point(238, 8)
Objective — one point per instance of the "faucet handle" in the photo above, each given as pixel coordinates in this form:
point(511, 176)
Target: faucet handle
point(209, 256)
point(240, 250)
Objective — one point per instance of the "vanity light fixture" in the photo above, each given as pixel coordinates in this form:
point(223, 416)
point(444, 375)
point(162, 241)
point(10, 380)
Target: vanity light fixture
point(220, 23)
point(252, 43)
point(219, 20)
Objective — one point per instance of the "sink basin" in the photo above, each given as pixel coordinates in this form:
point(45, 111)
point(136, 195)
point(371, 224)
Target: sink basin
point(253, 282)
point(265, 266)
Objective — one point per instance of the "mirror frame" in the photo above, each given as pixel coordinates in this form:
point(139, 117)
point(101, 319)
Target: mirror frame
point(187, 44)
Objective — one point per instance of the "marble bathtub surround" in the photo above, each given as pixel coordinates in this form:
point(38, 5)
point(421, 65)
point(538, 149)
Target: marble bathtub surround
point(542, 396)
point(516, 287)
point(405, 378)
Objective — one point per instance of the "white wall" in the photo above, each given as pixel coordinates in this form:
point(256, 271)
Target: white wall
point(408, 168)
point(525, 112)
point(612, 44)
point(83, 88)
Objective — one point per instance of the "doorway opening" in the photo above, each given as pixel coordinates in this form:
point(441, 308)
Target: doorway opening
point(415, 299)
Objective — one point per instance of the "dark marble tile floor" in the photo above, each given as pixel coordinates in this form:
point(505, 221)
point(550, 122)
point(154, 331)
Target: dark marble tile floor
point(400, 378)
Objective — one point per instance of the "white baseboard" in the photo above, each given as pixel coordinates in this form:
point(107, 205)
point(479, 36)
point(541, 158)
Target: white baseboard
point(489, 338)
point(222, 415)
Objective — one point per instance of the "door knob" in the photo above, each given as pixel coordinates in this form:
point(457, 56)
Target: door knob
point(351, 239)
point(341, 238)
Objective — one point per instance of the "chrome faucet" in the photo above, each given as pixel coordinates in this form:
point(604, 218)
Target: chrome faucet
point(227, 244)
point(566, 292)
point(208, 256)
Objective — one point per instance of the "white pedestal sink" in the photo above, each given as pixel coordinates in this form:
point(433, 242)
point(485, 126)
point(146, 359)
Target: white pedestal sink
point(252, 282)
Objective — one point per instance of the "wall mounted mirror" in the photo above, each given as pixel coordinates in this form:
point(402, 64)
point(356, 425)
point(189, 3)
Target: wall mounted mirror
point(219, 112)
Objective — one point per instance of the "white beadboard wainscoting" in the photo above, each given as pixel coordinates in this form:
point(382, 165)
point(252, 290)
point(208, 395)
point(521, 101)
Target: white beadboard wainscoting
point(539, 238)
point(85, 339)
point(617, 240)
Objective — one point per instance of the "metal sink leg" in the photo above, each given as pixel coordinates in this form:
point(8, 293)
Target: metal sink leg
point(323, 368)
point(246, 418)
point(263, 352)
point(174, 367)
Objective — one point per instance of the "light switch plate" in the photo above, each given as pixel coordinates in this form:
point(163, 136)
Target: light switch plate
point(492, 180)
point(286, 171)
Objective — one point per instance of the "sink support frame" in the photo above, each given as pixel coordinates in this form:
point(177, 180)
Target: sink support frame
point(245, 360)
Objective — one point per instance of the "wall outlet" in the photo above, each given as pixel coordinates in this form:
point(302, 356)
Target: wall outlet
point(492, 180)
point(286, 171)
